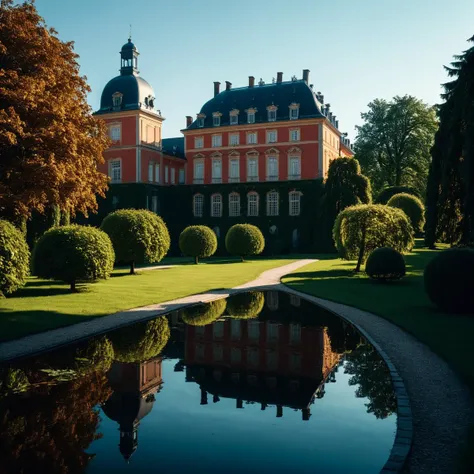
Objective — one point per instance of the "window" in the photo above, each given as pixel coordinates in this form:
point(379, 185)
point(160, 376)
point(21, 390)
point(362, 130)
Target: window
point(218, 353)
point(235, 329)
point(217, 231)
point(117, 99)
point(295, 135)
point(234, 205)
point(115, 133)
point(272, 332)
point(253, 328)
point(199, 142)
point(198, 205)
point(234, 117)
point(252, 356)
point(218, 330)
point(295, 203)
point(272, 113)
point(252, 204)
point(157, 173)
point(173, 176)
point(200, 122)
point(181, 176)
point(198, 172)
point(235, 354)
point(294, 113)
point(216, 140)
point(272, 203)
point(272, 360)
point(234, 170)
point(295, 301)
point(217, 170)
point(150, 171)
point(272, 300)
point(234, 139)
point(295, 333)
point(252, 138)
point(199, 351)
point(115, 171)
point(154, 204)
point(167, 174)
point(272, 168)
point(216, 205)
point(216, 119)
point(250, 117)
point(295, 362)
point(271, 136)
point(252, 169)
point(294, 170)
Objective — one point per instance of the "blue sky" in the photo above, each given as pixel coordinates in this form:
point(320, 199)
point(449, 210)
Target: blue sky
point(357, 50)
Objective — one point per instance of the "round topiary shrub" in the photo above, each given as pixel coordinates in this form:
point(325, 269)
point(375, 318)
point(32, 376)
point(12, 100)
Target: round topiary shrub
point(73, 254)
point(138, 236)
point(385, 264)
point(412, 207)
point(245, 305)
point(198, 241)
point(142, 341)
point(449, 280)
point(387, 193)
point(244, 240)
point(205, 313)
point(14, 258)
point(359, 230)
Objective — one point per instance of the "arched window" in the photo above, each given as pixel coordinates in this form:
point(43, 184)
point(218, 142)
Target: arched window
point(198, 205)
point(234, 204)
point(252, 204)
point(272, 203)
point(295, 203)
point(216, 205)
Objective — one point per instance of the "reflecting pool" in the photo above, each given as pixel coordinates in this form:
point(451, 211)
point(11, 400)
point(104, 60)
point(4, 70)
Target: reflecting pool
point(260, 382)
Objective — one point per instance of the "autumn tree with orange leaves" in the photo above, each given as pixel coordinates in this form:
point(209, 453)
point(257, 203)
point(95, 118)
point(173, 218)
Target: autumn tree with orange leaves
point(50, 144)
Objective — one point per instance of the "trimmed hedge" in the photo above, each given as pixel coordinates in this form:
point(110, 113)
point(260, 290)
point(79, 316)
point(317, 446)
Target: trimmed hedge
point(359, 230)
point(142, 341)
point(387, 193)
point(245, 305)
point(205, 313)
point(385, 264)
point(198, 241)
point(73, 254)
point(14, 258)
point(138, 236)
point(244, 240)
point(449, 280)
point(412, 207)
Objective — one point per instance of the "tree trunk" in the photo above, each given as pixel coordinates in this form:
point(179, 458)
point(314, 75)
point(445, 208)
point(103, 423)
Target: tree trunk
point(73, 286)
point(361, 249)
point(398, 176)
point(196, 260)
point(132, 268)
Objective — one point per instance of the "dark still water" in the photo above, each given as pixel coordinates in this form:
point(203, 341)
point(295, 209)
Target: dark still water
point(260, 382)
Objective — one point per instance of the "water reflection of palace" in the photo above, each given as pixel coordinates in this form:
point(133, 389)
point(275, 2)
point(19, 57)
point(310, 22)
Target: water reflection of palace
point(260, 360)
point(135, 385)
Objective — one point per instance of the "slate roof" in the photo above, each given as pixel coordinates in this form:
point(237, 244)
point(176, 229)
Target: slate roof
point(173, 146)
point(260, 97)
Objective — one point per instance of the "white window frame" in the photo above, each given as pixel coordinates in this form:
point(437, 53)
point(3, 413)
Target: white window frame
point(115, 132)
point(181, 176)
point(154, 204)
point(198, 205)
point(234, 177)
point(272, 113)
point(294, 203)
point(294, 113)
point(272, 175)
point(252, 177)
point(295, 135)
point(234, 119)
point(253, 201)
point(198, 164)
point(273, 203)
point(216, 205)
point(216, 141)
point(234, 139)
point(272, 136)
point(216, 119)
point(234, 205)
point(292, 175)
point(115, 170)
point(173, 176)
point(252, 138)
point(250, 117)
point(198, 142)
point(157, 173)
point(150, 171)
point(200, 122)
point(216, 170)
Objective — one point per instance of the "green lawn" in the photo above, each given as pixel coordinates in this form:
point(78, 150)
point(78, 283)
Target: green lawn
point(43, 305)
point(404, 303)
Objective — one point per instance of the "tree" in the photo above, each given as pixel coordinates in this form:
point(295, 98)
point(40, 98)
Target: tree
point(387, 193)
point(450, 193)
point(198, 241)
point(14, 258)
point(412, 207)
point(345, 186)
point(51, 144)
point(204, 313)
point(393, 145)
point(246, 305)
point(138, 236)
point(244, 240)
point(359, 230)
point(73, 254)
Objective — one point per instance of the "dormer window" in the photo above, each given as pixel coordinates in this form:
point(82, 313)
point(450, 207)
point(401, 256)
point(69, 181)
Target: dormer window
point(117, 100)
point(200, 120)
point(272, 113)
point(234, 117)
point(294, 111)
point(251, 115)
point(216, 119)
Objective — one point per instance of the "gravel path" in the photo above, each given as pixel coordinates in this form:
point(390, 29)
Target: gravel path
point(442, 407)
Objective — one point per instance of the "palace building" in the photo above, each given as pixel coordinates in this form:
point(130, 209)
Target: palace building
point(256, 154)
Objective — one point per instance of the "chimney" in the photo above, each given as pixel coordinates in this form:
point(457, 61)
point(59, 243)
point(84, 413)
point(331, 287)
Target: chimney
point(327, 108)
point(217, 86)
point(189, 120)
point(279, 77)
point(337, 124)
point(321, 98)
point(228, 85)
point(306, 75)
point(251, 81)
